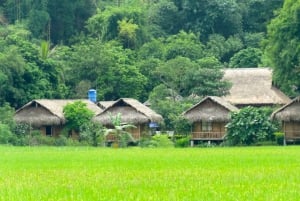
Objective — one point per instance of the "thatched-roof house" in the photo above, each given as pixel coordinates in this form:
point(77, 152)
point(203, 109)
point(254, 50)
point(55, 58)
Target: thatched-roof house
point(289, 115)
point(132, 112)
point(253, 86)
point(209, 118)
point(47, 115)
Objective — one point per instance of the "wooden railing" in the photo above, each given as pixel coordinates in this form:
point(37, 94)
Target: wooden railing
point(208, 135)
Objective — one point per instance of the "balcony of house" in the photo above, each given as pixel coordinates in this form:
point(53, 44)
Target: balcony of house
point(207, 131)
point(114, 138)
point(208, 135)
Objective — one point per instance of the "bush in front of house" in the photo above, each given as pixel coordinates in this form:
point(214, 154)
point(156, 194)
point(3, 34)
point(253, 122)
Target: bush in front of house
point(159, 141)
point(92, 133)
point(279, 136)
point(182, 142)
point(6, 136)
point(77, 114)
point(249, 126)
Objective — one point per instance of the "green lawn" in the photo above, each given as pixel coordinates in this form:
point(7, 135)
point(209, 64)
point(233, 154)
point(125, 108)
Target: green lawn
point(81, 173)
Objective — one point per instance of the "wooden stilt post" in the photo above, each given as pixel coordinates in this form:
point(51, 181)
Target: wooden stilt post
point(192, 143)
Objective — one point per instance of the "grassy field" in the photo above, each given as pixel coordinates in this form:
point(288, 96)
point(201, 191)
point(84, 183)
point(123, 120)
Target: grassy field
point(81, 173)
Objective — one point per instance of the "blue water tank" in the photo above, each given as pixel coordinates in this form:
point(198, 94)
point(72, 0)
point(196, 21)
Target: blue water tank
point(92, 95)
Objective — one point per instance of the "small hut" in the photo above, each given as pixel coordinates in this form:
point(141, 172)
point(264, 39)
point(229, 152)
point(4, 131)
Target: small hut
point(253, 87)
point(132, 112)
point(289, 116)
point(47, 115)
point(209, 118)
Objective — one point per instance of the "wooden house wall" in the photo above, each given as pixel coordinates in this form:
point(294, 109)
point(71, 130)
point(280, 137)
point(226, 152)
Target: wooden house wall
point(292, 130)
point(216, 127)
point(56, 130)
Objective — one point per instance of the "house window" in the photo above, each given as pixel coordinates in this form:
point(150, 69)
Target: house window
point(206, 126)
point(49, 130)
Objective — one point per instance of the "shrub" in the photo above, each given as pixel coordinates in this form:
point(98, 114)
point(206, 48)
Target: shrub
point(160, 141)
point(22, 129)
point(92, 133)
point(279, 136)
point(145, 141)
point(6, 116)
point(250, 125)
point(182, 142)
point(77, 114)
point(60, 141)
point(6, 135)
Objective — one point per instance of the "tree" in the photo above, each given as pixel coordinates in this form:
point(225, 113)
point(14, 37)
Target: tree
point(164, 18)
point(253, 40)
point(108, 67)
point(246, 58)
point(6, 116)
point(184, 77)
point(152, 49)
point(282, 47)
point(257, 14)
point(185, 45)
point(250, 125)
point(25, 73)
point(77, 114)
point(6, 136)
point(206, 79)
point(173, 74)
point(39, 19)
point(68, 18)
point(221, 48)
point(211, 17)
point(105, 25)
point(23, 81)
point(147, 68)
point(127, 33)
point(171, 108)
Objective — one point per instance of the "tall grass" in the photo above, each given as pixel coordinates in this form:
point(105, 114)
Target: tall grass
point(68, 173)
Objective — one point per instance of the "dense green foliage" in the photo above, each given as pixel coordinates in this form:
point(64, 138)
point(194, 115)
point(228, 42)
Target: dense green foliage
point(60, 49)
point(283, 47)
point(77, 114)
point(250, 125)
point(81, 173)
point(92, 133)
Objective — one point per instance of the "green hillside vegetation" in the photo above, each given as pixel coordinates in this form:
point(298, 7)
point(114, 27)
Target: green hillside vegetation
point(162, 51)
point(124, 48)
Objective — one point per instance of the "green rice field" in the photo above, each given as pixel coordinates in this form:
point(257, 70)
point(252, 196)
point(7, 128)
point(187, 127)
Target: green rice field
point(84, 173)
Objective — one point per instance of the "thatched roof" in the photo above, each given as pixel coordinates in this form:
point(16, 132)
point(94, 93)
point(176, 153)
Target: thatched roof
point(48, 112)
point(288, 112)
point(253, 86)
point(211, 108)
point(105, 104)
point(131, 110)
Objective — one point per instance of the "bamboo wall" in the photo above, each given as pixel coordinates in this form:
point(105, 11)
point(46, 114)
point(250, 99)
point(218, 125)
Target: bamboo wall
point(292, 130)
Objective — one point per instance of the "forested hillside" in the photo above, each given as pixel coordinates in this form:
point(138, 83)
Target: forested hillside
point(144, 49)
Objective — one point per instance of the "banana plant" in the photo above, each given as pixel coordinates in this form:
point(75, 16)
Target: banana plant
point(119, 129)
